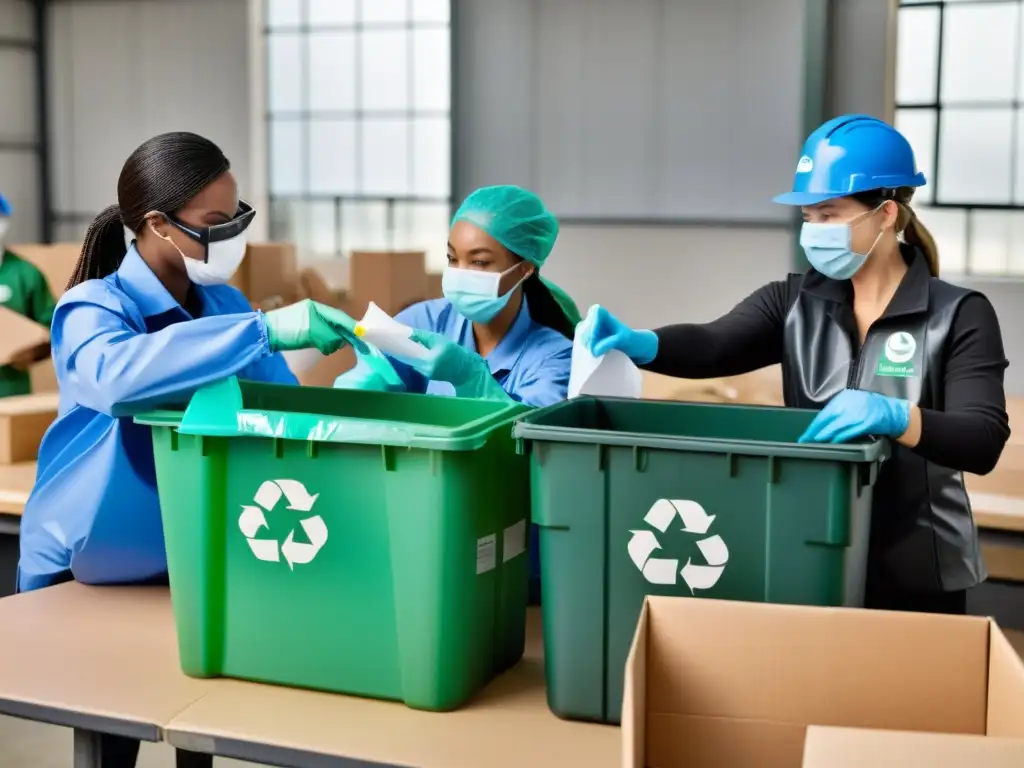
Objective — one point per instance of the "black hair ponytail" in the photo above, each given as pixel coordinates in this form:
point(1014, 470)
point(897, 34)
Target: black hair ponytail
point(162, 175)
point(544, 309)
point(103, 250)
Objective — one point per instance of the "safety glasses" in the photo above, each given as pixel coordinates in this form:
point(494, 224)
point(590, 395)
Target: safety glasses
point(218, 233)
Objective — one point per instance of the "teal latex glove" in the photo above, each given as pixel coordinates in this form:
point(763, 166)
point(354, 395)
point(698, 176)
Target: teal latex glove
point(463, 369)
point(854, 413)
point(307, 324)
point(601, 332)
point(373, 372)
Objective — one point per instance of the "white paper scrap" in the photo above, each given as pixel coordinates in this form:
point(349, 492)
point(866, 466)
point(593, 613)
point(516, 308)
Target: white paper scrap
point(610, 375)
point(388, 335)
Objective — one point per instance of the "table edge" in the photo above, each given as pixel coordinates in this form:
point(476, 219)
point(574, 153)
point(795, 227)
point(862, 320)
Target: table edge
point(263, 753)
point(70, 718)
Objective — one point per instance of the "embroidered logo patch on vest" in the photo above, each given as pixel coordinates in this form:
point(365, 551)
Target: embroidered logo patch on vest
point(897, 358)
point(6, 294)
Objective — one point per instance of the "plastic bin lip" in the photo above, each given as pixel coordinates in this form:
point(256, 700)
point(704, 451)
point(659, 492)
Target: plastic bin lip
point(526, 428)
point(217, 412)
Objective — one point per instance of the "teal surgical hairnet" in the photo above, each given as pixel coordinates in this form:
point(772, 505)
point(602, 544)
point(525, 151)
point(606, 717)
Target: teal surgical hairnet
point(514, 217)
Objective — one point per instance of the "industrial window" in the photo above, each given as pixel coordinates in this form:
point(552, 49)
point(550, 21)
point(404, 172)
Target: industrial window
point(359, 124)
point(959, 96)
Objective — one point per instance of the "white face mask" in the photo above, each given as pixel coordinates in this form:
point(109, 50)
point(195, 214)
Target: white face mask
point(222, 261)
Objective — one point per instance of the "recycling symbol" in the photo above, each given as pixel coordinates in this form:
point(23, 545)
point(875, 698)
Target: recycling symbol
point(664, 571)
point(299, 500)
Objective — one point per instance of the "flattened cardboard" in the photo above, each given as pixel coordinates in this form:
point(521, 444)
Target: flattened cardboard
point(762, 387)
point(24, 420)
point(855, 748)
point(18, 335)
point(717, 683)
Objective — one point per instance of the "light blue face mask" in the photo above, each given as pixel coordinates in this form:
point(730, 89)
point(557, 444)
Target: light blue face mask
point(829, 247)
point(474, 293)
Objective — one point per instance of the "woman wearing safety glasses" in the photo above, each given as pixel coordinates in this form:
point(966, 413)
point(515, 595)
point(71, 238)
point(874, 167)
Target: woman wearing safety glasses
point(501, 332)
point(146, 321)
point(874, 339)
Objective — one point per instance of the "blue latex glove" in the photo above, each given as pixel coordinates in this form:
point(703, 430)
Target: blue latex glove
point(854, 413)
point(463, 369)
point(602, 332)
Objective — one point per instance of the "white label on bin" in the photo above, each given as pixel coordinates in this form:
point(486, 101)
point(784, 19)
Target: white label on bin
point(513, 543)
point(486, 554)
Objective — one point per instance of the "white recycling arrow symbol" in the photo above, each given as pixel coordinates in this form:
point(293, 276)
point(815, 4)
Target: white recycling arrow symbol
point(662, 570)
point(253, 518)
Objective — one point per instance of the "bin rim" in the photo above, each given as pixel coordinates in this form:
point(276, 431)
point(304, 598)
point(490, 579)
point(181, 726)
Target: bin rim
point(216, 411)
point(525, 429)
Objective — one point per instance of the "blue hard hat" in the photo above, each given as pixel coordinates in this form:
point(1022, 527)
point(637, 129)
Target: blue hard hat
point(851, 154)
point(5, 207)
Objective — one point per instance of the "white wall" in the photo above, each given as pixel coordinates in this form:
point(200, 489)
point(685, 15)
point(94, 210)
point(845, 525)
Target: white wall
point(123, 71)
point(660, 274)
point(19, 168)
point(677, 109)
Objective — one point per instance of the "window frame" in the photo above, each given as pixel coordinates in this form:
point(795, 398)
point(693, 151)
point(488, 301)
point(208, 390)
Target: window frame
point(936, 107)
point(306, 117)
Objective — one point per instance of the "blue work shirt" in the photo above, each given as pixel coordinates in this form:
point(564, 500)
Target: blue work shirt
point(531, 362)
point(122, 345)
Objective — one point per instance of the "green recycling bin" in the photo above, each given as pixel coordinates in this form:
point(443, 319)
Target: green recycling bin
point(365, 543)
point(639, 497)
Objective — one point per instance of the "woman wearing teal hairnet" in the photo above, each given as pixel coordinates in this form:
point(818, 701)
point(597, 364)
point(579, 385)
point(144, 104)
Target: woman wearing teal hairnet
point(501, 331)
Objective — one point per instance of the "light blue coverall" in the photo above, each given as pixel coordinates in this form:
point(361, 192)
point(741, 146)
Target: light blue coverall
point(531, 363)
point(121, 346)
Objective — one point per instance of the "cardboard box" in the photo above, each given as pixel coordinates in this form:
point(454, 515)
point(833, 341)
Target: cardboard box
point(19, 336)
point(392, 279)
point(434, 290)
point(24, 420)
point(43, 377)
point(326, 281)
point(856, 748)
point(714, 683)
point(57, 262)
point(269, 275)
point(324, 372)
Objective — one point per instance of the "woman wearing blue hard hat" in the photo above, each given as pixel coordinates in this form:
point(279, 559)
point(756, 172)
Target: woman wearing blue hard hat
point(874, 339)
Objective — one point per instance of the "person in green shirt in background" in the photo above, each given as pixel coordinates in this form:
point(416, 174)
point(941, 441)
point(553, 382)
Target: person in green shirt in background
point(23, 289)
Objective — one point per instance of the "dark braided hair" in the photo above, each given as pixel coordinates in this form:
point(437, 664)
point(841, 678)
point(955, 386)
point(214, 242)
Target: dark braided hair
point(163, 175)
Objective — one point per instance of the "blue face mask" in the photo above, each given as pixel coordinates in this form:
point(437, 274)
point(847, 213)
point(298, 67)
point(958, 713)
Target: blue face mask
point(829, 248)
point(474, 293)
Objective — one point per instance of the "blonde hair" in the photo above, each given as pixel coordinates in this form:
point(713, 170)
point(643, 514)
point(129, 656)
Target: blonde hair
point(908, 226)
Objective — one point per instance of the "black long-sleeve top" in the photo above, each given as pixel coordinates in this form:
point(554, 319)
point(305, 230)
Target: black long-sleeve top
point(967, 435)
